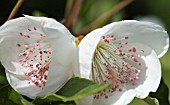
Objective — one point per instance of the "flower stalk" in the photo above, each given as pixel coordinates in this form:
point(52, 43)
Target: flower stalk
point(113, 11)
point(71, 19)
point(15, 9)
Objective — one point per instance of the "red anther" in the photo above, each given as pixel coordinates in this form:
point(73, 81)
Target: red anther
point(126, 37)
point(19, 45)
point(35, 28)
point(134, 49)
point(107, 41)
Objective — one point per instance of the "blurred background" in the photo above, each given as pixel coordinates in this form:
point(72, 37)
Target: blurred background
point(103, 12)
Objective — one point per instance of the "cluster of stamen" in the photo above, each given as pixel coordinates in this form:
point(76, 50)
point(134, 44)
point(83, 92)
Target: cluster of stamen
point(115, 64)
point(34, 56)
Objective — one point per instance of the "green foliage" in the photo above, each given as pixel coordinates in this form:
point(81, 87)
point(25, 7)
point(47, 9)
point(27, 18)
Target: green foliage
point(17, 98)
point(151, 101)
point(137, 101)
point(39, 13)
point(161, 94)
point(4, 99)
point(92, 9)
point(3, 80)
point(147, 101)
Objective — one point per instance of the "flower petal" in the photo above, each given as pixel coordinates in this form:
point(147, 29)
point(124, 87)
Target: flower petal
point(150, 79)
point(117, 98)
point(124, 41)
point(46, 34)
point(147, 33)
point(87, 100)
point(150, 73)
point(86, 50)
point(50, 23)
point(63, 63)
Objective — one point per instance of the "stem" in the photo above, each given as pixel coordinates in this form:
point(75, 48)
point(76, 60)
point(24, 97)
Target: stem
point(69, 5)
point(70, 21)
point(113, 11)
point(15, 9)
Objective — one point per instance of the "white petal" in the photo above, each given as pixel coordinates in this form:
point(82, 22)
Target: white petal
point(153, 73)
point(122, 98)
point(86, 50)
point(117, 98)
point(63, 61)
point(150, 75)
point(87, 100)
point(147, 33)
point(51, 23)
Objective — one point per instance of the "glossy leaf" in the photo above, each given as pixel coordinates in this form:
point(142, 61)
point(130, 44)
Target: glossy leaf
point(3, 80)
point(17, 98)
point(137, 101)
point(75, 89)
point(151, 101)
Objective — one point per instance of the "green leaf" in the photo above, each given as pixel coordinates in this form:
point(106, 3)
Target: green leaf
point(161, 94)
point(48, 99)
point(137, 101)
point(78, 88)
point(75, 89)
point(14, 96)
point(87, 91)
point(25, 102)
point(151, 101)
point(4, 88)
point(17, 98)
point(147, 101)
point(58, 103)
point(39, 13)
point(3, 80)
point(2, 70)
point(4, 100)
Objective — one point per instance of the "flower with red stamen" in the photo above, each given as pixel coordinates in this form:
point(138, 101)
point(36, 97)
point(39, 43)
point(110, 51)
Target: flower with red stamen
point(130, 62)
point(39, 58)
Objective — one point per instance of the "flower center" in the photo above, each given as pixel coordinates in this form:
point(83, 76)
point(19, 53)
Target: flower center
point(34, 56)
point(114, 63)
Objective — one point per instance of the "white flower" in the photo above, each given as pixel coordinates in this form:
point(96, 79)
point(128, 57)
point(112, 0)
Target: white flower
point(125, 54)
point(38, 53)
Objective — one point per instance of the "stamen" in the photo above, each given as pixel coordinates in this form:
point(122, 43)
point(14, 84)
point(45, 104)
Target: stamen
point(31, 56)
point(112, 64)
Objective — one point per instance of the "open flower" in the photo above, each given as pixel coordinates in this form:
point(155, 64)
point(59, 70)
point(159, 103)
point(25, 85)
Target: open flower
point(126, 55)
point(38, 53)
